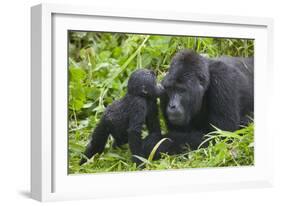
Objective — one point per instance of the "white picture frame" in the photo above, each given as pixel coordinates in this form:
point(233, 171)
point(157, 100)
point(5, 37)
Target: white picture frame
point(49, 178)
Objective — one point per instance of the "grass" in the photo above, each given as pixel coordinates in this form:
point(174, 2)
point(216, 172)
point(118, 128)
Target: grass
point(225, 149)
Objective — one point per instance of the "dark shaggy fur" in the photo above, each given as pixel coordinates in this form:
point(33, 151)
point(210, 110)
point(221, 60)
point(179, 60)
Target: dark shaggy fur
point(124, 119)
point(200, 92)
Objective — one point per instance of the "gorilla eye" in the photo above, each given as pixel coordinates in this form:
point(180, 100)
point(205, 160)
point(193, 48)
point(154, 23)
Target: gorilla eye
point(180, 87)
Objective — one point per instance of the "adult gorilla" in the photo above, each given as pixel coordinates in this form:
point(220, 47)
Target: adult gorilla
point(202, 92)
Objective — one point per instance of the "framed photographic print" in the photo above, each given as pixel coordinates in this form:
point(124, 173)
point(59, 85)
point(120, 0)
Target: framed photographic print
point(137, 102)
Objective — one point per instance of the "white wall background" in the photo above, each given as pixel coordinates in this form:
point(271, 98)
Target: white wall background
point(15, 100)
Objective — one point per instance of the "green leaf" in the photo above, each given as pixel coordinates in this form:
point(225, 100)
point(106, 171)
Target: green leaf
point(76, 147)
point(77, 74)
point(143, 159)
point(152, 153)
point(104, 56)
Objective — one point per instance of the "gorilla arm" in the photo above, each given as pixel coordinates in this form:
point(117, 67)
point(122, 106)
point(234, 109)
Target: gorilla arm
point(152, 118)
point(136, 122)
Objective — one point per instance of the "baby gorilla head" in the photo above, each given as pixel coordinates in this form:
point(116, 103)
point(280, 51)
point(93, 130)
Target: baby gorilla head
point(142, 82)
point(185, 85)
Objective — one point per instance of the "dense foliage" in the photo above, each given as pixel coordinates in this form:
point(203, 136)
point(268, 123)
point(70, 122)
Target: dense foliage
point(99, 67)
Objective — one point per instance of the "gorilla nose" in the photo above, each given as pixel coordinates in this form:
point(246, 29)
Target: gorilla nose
point(172, 106)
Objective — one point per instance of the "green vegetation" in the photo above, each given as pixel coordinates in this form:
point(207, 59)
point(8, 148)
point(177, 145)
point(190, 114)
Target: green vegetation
point(99, 67)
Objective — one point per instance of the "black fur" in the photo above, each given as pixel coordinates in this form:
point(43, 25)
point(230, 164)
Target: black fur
point(200, 92)
point(124, 119)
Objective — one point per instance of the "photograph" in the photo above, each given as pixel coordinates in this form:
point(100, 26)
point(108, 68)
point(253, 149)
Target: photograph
point(141, 102)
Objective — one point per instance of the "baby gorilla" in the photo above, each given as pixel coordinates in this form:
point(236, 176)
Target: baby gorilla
point(124, 119)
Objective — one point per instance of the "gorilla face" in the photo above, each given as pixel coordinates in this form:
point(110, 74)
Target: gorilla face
point(184, 99)
point(185, 85)
point(175, 109)
point(143, 83)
